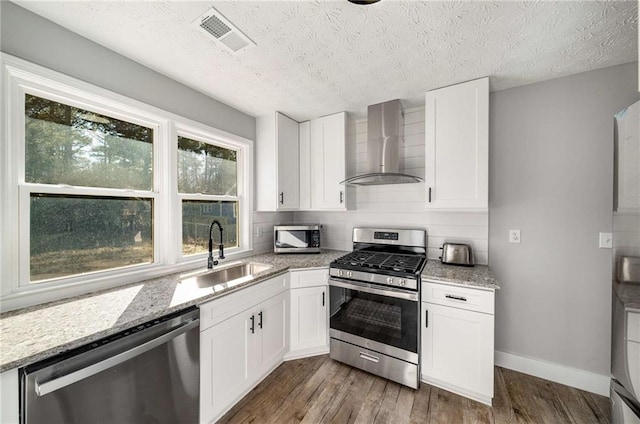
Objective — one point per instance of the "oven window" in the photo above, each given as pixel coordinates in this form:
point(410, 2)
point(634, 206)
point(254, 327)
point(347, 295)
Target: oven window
point(292, 238)
point(375, 317)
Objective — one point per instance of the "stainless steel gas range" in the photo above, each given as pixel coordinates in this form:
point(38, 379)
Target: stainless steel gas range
point(375, 303)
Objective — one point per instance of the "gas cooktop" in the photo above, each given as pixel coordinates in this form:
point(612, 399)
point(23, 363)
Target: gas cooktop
point(390, 257)
point(371, 261)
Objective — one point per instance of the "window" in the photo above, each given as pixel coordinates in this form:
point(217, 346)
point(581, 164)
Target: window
point(71, 147)
point(100, 190)
point(208, 186)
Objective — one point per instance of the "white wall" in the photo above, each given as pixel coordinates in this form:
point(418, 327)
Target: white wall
point(551, 176)
point(401, 205)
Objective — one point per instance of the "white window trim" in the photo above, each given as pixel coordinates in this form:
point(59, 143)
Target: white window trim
point(19, 76)
point(184, 129)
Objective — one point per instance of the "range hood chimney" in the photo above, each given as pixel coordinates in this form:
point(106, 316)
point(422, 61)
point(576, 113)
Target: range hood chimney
point(385, 138)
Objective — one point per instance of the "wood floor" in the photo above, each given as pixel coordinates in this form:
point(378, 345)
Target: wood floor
point(321, 390)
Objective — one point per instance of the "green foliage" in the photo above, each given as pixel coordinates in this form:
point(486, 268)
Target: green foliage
point(205, 168)
point(67, 145)
point(197, 217)
point(65, 229)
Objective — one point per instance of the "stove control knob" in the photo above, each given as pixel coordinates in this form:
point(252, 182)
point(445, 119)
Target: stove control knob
point(349, 274)
point(389, 280)
point(403, 282)
point(340, 272)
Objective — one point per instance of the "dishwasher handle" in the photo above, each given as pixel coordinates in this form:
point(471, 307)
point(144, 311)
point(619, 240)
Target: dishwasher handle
point(42, 389)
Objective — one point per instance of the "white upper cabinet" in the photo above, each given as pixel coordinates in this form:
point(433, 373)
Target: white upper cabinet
point(627, 159)
point(457, 146)
point(276, 163)
point(330, 137)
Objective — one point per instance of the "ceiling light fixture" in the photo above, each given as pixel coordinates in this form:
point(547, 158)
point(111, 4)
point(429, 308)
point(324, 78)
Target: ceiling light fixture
point(363, 2)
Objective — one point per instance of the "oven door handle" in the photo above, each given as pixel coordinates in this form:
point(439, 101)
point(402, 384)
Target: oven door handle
point(368, 288)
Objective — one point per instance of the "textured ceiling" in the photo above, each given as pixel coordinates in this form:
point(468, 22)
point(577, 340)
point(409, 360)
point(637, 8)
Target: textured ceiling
point(318, 57)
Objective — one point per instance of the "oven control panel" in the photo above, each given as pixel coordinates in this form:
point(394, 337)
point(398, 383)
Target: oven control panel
point(396, 281)
point(400, 282)
point(385, 235)
point(343, 273)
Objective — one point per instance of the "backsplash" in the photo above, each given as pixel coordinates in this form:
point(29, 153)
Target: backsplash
point(263, 223)
point(400, 205)
point(626, 235)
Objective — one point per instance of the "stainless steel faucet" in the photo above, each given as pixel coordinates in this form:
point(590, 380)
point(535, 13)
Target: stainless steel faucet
point(210, 261)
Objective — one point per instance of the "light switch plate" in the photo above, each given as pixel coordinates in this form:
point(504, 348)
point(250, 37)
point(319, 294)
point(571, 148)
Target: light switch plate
point(606, 241)
point(514, 236)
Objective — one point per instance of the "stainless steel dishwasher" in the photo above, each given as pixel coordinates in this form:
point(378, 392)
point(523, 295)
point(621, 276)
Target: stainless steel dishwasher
point(147, 374)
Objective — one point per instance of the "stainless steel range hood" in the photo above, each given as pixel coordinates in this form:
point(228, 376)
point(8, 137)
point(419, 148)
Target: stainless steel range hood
point(385, 138)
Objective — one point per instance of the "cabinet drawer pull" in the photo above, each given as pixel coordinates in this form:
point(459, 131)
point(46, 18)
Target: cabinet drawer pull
point(369, 357)
point(426, 319)
point(429, 194)
point(260, 322)
point(253, 324)
point(322, 298)
point(450, 296)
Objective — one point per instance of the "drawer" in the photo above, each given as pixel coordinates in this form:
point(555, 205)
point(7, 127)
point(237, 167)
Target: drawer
point(459, 297)
point(310, 278)
point(375, 362)
point(218, 310)
point(633, 326)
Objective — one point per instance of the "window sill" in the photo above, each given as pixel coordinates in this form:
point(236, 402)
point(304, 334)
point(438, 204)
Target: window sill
point(37, 294)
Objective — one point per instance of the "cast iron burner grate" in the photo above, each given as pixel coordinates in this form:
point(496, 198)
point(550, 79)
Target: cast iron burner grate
point(386, 261)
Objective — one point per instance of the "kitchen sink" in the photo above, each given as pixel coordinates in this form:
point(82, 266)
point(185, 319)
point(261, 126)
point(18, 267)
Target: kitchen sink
point(223, 278)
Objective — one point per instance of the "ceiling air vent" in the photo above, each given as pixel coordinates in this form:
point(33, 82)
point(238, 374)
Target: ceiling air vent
point(216, 25)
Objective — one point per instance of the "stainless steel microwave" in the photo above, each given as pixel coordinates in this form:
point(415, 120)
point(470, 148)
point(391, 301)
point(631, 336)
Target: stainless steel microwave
point(296, 238)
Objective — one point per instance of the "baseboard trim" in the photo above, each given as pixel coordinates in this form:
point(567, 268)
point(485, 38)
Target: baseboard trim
point(457, 390)
point(580, 379)
point(306, 353)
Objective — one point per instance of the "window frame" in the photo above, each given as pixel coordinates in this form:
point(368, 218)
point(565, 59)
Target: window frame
point(184, 129)
point(20, 77)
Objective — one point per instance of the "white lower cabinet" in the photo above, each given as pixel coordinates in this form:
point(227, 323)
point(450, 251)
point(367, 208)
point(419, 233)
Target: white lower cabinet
point(226, 353)
point(457, 347)
point(9, 392)
point(271, 331)
point(237, 352)
point(308, 320)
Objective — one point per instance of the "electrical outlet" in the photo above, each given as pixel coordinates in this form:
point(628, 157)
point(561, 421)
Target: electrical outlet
point(606, 241)
point(514, 236)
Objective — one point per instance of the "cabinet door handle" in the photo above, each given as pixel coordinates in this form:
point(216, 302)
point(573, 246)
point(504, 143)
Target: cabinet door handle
point(341, 196)
point(426, 319)
point(322, 298)
point(450, 296)
point(282, 197)
point(260, 322)
point(253, 324)
point(429, 194)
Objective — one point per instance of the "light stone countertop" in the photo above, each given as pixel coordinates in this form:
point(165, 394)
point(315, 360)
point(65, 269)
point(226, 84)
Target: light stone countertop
point(473, 276)
point(31, 334)
point(629, 294)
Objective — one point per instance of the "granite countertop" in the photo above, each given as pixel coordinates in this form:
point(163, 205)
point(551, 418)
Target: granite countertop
point(474, 276)
point(629, 294)
point(31, 334)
